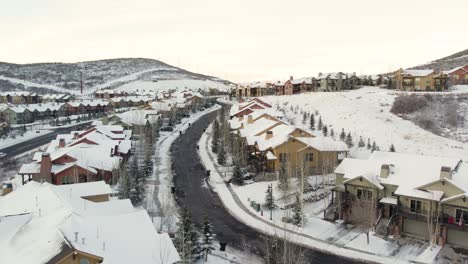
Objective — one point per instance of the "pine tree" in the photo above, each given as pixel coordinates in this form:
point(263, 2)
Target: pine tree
point(125, 185)
point(325, 130)
point(137, 180)
point(361, 143)
point(312, 122)
point(298, 214)
point(208, 237)
point(148, 167)
point(349, 140)
point(319, 126)
point(221, 155)
point(269, 199)
point(392, 148)
point(215, 139)
point(332, 133)
point(342, 135)
point(186, 238)
point(369, 146)
point(374, 146)
point(304, 118)
point(237, 175)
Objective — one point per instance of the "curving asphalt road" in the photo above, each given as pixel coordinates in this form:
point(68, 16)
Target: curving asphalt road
point(28, 145)
point(189, 175)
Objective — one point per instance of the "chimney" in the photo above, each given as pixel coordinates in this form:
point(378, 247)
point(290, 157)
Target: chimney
point(249, 119)
point(268, 135)
point(291, 78)
point(76, 135)
point(76, 236)
point(46, 167)
point(61, 143)
point(116, 150)
point(384, 171)
point(445, 172)
point(112, 152)
point(105, 120)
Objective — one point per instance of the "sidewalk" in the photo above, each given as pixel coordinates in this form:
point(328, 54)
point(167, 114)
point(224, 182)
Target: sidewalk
point(346, 243)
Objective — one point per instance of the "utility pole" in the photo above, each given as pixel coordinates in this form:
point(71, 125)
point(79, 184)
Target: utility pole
point(81, 82)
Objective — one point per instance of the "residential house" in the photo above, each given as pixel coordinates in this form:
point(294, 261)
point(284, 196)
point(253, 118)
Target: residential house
point(415, 195)
point(18, 97)
point(280, 87)
point(420, 80)
point(78, 223)
point(331, 82)
point(16, 114)
point(81, 156)
point(458, 75)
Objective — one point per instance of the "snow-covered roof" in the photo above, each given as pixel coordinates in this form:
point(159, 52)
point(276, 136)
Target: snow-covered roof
point(36, 220)
point(270, 156)
point(456, 69)
point(324, 143)
point(407, 171)
point(418, 73)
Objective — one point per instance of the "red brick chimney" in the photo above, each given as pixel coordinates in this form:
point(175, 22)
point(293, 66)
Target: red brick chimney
point(46, 167)
point(61, 143)
point(116, 150)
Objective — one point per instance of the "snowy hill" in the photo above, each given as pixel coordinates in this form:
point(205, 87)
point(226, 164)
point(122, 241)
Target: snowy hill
point(447, 63)
point(366, 113)
point(112, 73)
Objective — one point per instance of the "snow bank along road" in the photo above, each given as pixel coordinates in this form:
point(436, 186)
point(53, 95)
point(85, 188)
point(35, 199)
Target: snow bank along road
point(189, 180)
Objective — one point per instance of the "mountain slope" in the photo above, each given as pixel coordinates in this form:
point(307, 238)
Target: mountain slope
point(446, 63)
point(112, 73)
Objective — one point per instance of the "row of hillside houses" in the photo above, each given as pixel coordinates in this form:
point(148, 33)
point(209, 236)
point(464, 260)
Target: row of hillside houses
point(275, 146)
point(27, 113)
point(324, 82)
point(78, 223)
point(414, 195)
point(82, 156)
point(24, 97)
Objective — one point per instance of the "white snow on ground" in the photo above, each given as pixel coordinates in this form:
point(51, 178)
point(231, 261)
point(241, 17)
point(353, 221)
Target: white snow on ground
point(366, 112)
point(429, 254)
point(6, 142)
point(165, 85)
point(46, 86)
point(334, 238)
point(129, 77)
point(231, 256)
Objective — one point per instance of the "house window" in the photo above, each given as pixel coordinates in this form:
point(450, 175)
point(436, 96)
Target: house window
point(68, 179)
point(283, 157)
point(461, 215)
point(364, 194)
point(309, 157)
point(415, 206)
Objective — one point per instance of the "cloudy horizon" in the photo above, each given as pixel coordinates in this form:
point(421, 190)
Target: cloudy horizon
point(238, 41)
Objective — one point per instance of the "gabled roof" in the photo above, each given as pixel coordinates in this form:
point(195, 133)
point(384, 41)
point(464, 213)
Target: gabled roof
point(417, 73)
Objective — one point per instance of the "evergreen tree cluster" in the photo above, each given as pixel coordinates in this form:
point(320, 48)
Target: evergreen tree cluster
point(132, 180)
point(187, 238)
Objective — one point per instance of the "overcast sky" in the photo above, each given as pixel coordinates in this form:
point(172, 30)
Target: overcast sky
point(240, 40)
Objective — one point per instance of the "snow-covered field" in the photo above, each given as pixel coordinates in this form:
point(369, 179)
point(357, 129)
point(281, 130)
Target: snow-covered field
point(366, 113)
point(38, 85)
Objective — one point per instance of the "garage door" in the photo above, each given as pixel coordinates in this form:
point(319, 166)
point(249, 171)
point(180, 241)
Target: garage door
point(416, 228)
point(457, 238)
